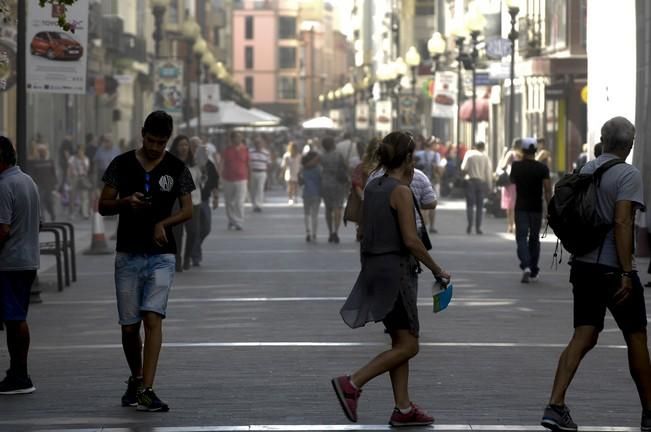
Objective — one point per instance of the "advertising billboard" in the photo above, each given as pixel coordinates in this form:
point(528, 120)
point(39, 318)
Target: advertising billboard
point(168, 87)
point(56, 59)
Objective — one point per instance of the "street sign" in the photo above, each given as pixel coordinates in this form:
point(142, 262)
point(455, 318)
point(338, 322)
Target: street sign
point(496, 48)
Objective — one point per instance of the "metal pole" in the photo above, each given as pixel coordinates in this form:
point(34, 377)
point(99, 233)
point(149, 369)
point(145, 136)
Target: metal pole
point(159, 12)
point(199, 66)
point(513, 35)
point(459, 43)
point(474, 56)
point(21, 86)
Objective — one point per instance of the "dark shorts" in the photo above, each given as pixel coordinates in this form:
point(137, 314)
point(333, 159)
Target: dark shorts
point(594, 286)
point(397, 319)
point(15, 287)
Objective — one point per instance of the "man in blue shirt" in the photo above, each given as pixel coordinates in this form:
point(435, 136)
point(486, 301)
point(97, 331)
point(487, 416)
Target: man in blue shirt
point(19, 260)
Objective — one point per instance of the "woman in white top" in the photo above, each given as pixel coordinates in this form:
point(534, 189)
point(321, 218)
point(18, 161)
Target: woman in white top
point(78, 167)
point(290, 166)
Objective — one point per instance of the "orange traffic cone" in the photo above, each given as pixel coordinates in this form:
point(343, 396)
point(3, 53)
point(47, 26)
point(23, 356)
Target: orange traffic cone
point(98, 244)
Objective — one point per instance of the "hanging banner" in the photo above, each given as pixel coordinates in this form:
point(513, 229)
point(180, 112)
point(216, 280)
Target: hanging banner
point(445, 95)
point(335, 116)
point(210, 115)
point(7, 57)
point(361, 116)
point(56, 59)
point(409, 118)
point(168, 87)
point(383, 117)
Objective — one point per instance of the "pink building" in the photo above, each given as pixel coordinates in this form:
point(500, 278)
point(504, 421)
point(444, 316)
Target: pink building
point(266, 54)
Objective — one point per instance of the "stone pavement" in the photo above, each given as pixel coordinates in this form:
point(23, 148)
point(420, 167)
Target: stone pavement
point(253, 337)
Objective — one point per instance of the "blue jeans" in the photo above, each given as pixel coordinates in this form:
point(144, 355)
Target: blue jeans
point(142, 284)
point(475, 200)
point(527, 236)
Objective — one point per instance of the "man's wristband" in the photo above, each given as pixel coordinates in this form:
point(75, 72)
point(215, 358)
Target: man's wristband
point(629, 274)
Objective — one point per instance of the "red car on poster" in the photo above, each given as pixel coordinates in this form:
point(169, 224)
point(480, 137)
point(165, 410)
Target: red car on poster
point(56, 46)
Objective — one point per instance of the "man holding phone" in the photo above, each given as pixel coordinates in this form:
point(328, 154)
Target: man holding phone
point(142, 186)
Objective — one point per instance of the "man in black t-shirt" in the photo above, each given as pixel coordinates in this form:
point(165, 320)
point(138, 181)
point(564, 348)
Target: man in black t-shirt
point(530, 178)
point(142, 186)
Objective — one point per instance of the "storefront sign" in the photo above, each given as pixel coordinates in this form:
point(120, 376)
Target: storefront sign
point(444, 101)
point(361, 116)
point(409, 118)
point(168, 85)
point(56, 59)
point(7, 57)
point(210, 96)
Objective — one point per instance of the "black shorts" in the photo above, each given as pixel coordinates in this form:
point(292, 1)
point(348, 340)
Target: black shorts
point(397, 319)
point(594, 286)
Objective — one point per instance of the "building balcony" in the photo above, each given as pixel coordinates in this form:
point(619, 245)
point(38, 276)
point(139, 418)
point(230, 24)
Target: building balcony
point(255, 4)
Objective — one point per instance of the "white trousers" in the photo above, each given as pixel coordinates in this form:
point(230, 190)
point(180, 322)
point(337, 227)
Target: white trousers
point(258, 180)
point(234, 197)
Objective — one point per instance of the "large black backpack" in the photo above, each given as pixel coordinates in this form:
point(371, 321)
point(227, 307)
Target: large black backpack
point(572, 211)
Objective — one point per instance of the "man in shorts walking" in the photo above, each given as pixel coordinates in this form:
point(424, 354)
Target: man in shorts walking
point(606, 278)
point(19, 260)
point(142, 186)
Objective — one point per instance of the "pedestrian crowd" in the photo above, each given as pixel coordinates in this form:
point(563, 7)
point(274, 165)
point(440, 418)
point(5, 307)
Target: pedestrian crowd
point(164, 200)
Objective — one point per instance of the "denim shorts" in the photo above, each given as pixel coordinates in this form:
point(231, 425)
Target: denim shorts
point(142, 284)
point(15, 288)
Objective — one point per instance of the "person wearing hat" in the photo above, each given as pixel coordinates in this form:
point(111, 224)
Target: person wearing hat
point(531, 178)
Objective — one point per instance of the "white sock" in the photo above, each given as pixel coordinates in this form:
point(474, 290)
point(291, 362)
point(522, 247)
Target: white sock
point(350, 380)
point(405, 410)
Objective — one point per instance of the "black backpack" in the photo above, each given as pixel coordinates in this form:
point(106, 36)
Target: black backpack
point(572, 211)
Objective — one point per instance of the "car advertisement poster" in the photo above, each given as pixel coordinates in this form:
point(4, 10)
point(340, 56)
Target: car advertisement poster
point(7, 57)
point(56, 59)
point(210, 115)
point(361, 116)
point(168, 87)
point(445, 95)
point(383, 117)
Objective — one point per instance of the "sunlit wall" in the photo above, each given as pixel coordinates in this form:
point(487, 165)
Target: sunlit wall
point(611, 47)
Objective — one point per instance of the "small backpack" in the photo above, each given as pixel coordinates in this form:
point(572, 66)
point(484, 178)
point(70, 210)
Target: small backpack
point(572, 211)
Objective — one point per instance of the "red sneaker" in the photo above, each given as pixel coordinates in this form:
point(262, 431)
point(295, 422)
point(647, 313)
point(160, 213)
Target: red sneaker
point(415, 417)
point(347, 395)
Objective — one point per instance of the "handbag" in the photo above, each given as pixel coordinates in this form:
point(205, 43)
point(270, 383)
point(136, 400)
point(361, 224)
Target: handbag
point(353, 210)
point(422, 231)
point(503, 179)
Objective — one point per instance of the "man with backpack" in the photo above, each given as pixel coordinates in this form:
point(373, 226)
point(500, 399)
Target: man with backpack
point(530, 178)
point(605, 276)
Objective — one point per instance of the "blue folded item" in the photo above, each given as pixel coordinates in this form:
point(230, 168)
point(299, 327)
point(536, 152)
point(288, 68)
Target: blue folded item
point(441, 296)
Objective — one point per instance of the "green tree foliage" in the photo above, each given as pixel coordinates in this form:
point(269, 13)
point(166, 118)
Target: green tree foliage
point(63, 22)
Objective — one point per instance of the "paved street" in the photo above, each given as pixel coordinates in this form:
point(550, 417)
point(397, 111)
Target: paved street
point(254, 336)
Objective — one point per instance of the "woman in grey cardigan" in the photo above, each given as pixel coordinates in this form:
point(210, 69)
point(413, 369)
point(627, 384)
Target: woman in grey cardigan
point(386, 289)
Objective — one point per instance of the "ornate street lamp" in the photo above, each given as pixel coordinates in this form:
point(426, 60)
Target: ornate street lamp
point(158, 9)
point(200, 48)
point(475, 22)
point(514, 9)
point(436, 46)
point(412, 58)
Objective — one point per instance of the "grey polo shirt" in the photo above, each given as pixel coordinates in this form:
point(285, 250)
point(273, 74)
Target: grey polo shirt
point(621, 182)
point(19, 208)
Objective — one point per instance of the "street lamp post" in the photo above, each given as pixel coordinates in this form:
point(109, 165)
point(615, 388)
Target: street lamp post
point(158, 9)
point(473, 55)
point(513, 36)
point(475, 22)
point(436, 47)
point(190, 31)
point(200, 48)
point(412, 58)
point(459, 42)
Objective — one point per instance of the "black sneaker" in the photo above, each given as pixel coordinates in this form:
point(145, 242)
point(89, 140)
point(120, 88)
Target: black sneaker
point(148, 401)
point(646, 421)
point(558, 419)
point(14, 385)
point(129, 399)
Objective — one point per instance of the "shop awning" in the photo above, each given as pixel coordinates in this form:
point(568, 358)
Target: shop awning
point(482, 106)
point(319, 123)
point(232, 114)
